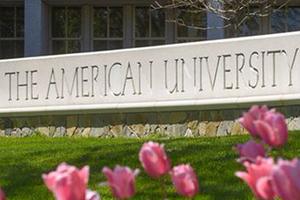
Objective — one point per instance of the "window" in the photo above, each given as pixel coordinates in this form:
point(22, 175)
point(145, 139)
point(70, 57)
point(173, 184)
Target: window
point(285, 19)
point(251, 25)
point(11, 32)
point(149, 27)
point(96, 27)
point(189, 26)
point(281, 20)
point(107, 28)
point(66, 30)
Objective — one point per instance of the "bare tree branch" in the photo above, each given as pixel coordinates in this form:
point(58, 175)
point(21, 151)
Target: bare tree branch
point(235, 13)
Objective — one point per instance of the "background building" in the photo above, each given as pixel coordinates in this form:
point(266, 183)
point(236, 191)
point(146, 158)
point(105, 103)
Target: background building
point(43, 27)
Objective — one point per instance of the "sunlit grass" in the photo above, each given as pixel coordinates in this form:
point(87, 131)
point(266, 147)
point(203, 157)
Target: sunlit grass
point(23, 160)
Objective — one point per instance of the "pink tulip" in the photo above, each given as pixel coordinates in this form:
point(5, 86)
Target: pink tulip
point(272, 129)
point(154, 159)
point(248, 119)
point(286, 176)
point(91, 195)
point(68, 182)
point(185, 180)
point(2, 195)
point(121, 181)
point(259, 177)
point(250, 151)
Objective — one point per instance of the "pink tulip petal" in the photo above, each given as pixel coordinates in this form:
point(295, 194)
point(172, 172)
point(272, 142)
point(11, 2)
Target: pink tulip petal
point(62, 190)
point(92, 195)
point(250, 151)
point(2, 195)
point(282, 185)
point(281, 129)
point(185, 180)
point(49, 181)
point(67, 182)
point(257, 175)
point(272, 129)
point(295, 175)
point(84, 174)
point(265, 131)
point(189, 186)
point(255, 113)
point(63, 167)
point(263, 187)
point(121, 181)
point(245, 177)
point(265, 108)
point(154, 159)
point(286, 177)
point(268, 125)
point(247, 122)
point(108, 173)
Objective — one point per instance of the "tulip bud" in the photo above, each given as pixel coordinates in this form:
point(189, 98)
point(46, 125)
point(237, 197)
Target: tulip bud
point(250, 151)
point(154, 159)
point(248, 119)
point(121, 181)
point(272, 129)
point(259, 177)
point(185, 180)
point(67, 182)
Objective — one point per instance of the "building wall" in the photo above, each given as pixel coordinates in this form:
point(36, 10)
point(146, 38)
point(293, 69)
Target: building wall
point(38, 23)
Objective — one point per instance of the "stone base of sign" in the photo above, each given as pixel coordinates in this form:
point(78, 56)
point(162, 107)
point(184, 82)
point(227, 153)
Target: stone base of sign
point(138, 125)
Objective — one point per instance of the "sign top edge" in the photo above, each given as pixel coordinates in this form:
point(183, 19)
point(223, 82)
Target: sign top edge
point(218, 41)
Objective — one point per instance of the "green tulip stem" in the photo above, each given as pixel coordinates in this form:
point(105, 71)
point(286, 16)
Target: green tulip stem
point(269, 150)
point(163, 188)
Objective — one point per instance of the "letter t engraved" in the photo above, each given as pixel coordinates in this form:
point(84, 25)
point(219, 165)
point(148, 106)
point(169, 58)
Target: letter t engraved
point(274, 64)
point(9, 83)
point(22, 85)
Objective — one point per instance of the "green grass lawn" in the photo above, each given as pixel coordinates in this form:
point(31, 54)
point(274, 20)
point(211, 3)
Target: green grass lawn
point(23, 160)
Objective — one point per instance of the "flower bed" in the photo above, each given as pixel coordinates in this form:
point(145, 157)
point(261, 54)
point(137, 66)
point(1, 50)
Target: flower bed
point(213, 161)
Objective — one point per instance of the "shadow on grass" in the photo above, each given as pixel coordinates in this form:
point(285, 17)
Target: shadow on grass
point(24, 160)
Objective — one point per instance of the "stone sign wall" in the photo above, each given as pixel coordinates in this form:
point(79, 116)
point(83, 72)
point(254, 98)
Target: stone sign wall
point(166, 124)
point(183, 89)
